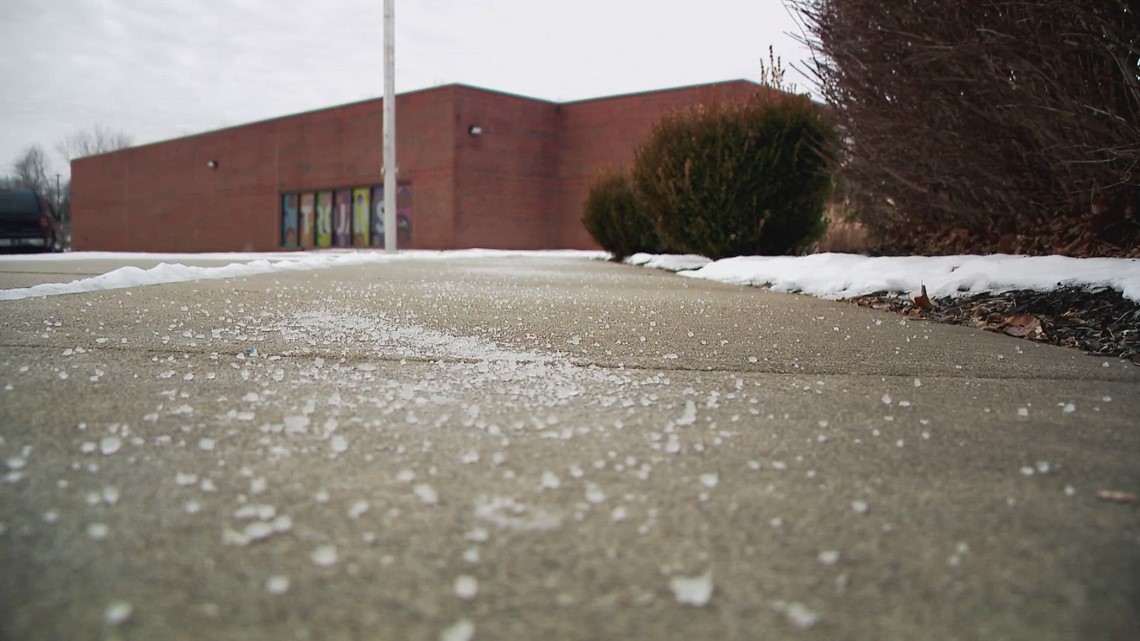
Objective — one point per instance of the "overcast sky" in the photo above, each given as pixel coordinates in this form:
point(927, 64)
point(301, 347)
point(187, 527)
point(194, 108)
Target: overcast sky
point(160, 69)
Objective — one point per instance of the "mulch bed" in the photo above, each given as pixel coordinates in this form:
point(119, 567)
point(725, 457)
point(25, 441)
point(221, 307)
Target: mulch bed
point(1099, 321)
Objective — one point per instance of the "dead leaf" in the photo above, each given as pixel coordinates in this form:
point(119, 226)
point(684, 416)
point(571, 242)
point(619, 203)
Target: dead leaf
point(922, 300)
point(1021, 325)
point(1116, 496)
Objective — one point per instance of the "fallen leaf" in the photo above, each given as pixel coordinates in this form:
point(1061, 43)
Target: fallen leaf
point(1021, 325)
point(1116, 496)
point(922, 300)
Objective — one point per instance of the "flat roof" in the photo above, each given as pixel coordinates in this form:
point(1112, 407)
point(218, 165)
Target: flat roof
point(454, 85)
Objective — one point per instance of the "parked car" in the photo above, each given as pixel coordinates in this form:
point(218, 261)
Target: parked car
point(28, 221)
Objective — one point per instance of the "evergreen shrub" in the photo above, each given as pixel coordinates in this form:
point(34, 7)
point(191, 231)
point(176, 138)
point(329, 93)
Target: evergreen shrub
point(613, 217)
point(738, 178)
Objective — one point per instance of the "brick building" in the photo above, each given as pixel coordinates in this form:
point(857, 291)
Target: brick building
point(477, 168)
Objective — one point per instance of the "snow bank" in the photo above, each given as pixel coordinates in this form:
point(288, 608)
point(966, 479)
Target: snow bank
point(247, 264)
point(837, 276)
point(831, 276)
point(669, 262)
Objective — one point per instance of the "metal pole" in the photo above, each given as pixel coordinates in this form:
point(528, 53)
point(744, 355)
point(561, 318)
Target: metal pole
point(390, 168)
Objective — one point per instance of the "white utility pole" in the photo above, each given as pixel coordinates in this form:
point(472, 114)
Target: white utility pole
point(390, 229)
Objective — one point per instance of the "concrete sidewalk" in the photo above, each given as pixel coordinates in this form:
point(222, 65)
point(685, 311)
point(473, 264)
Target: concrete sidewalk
point(520, 448)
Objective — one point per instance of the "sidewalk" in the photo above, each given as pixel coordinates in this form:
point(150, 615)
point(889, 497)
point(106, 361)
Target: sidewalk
point(520, 448)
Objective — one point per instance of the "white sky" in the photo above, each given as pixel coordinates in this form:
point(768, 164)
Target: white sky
point(159, 69)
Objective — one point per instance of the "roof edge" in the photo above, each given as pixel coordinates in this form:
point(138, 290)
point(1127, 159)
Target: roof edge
point(445, 87)
point(702, 85)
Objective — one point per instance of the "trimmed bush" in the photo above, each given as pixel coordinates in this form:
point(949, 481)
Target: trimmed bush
point(731, 179)
point(613, 217)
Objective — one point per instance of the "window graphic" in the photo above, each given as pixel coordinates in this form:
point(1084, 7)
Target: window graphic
point(377, 216)
point(324, 218)
point(308, 214)
point(404, 216)
point(360, 217)
point(289, 220)
point(343, 218)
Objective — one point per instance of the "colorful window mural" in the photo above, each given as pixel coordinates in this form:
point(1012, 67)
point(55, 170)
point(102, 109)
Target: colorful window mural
point(377, 217)
point(404, 215)
point(308, 216)
point(324, 218)
point(360, 217)
point(343, 218)
point(289, 220)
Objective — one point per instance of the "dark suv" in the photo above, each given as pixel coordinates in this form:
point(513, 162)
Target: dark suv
point(27, 220)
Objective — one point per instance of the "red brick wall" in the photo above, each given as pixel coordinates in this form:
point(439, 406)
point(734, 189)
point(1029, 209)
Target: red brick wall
point(163, 197)
point(520, 184)
point(505, 178)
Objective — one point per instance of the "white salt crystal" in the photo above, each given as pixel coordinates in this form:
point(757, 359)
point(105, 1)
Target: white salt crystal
point(466, 586)
point(282, 523)
point(594, 494)
point(690, 414)
point(357, 509)
point(117, 613)
point(462, 630)
point(550, 480)
point(295, 424)
point(426, 493)
point(324, 555)
point(277, 584)
point(694, 591)
point(798, 614)
point(110, 444)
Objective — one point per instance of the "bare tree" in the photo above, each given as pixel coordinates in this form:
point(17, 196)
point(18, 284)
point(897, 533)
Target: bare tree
point(984, 125)
point(89, 142)
point(30, 170)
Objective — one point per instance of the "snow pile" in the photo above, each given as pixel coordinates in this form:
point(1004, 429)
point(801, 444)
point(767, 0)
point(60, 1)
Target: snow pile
point(837, 276)
point(829, 275)
point(669, 262)
point(240, 265)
